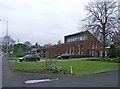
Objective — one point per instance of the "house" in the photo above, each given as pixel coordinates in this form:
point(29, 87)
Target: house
point(82, 43)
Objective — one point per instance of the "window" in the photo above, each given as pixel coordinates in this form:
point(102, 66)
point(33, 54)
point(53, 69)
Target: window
point(73, 51)
point(83, 38)
point(101, 53)
point(70, 50)
point(70, 40)
point(92, 53)
point(82, 53)
point(93, 46)
point(80, 38)
point(73, 39)
point(76, 38)
point(89, 52)
point(78, 49)
point(67, 40)
point(96, 46)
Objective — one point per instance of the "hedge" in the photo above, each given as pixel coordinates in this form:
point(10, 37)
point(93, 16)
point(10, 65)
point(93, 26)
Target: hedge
point(80, 56)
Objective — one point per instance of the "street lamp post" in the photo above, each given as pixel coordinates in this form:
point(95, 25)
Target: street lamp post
point(7, 36)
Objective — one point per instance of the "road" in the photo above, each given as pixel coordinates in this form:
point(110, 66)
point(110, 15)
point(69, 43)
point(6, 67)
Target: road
point(11, 79)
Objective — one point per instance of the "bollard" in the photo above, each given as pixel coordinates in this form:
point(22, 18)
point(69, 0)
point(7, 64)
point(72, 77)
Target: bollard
point(71, 71)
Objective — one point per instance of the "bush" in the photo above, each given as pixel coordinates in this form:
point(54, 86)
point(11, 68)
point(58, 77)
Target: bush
point(113, 52)
point(115, 60)
point(80, 56)
point(53, 68)
point(118, 52)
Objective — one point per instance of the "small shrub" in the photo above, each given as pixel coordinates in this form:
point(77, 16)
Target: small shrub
point(80, 56)
point(54, 69)
point(113, 52)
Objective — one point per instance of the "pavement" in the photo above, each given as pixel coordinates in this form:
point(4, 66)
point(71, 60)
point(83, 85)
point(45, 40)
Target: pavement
point(0, 69)
point(11, 79)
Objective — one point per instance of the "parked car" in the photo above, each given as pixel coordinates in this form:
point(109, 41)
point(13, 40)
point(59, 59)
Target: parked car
point(30, 57)
point(64, 56)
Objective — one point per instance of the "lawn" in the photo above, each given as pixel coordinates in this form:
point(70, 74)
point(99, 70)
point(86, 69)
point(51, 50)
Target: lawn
point(78, 67)
point(88, 67)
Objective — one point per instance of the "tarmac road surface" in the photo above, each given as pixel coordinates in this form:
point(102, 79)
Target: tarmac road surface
point(11, 79)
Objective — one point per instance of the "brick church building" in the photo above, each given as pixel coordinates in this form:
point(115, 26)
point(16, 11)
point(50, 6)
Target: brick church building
point(82, 43)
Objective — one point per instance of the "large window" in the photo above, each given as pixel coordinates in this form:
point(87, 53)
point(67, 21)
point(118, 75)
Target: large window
point(76, 38)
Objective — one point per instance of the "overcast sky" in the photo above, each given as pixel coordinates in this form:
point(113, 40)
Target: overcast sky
point(42, 21)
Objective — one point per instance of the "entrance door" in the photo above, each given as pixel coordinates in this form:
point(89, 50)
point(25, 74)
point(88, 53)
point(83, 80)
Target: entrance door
point(97, 53)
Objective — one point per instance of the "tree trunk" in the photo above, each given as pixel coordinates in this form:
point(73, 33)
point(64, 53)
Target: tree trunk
point(104, 42)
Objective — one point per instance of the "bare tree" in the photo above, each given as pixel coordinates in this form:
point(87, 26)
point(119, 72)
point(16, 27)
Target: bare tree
point(28, 44)
point(102, 19)
point(7, 41)
point(59, 42)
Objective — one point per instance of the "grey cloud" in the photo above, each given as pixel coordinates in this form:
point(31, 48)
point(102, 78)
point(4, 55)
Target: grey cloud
point(44, 21)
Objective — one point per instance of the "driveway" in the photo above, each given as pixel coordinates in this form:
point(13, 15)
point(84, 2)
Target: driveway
point(11, 79)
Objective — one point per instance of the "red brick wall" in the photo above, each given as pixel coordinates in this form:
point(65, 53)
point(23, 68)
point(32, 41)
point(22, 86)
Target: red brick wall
point(85, 47)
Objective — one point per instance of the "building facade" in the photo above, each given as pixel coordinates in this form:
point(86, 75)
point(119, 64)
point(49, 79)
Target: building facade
point(82, 43)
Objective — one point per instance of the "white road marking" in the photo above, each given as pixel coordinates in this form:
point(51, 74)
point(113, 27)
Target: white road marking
point(39, 81)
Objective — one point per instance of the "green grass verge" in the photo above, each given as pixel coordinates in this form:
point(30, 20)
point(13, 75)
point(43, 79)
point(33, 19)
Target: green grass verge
point(88, 67)
point(79, 67)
